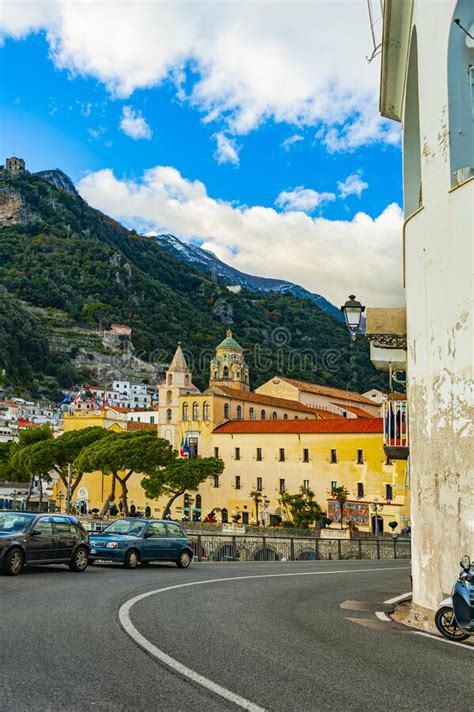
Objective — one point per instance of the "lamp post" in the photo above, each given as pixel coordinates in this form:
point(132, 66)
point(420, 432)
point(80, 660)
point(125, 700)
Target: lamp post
point(376, 508)
point(353, 311)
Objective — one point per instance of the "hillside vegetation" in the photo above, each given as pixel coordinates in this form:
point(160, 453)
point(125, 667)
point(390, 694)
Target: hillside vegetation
point(58, 252)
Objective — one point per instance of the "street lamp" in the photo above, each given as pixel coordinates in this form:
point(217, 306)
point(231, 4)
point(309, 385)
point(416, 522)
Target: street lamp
point(352, 311)
point(376, 508)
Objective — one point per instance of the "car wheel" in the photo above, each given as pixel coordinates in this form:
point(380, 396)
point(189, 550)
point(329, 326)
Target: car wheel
point(13, 562)
point(131, 559)
point(79, 559)
point(184, 559)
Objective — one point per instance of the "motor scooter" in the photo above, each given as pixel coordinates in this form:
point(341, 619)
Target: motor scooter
point(455, 615)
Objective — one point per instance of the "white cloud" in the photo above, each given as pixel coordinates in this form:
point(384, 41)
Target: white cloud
point(226, 150)
point(353, 185)
point(332, 257)
point(290, 141)
point(134, 125)
point(300, 198)
point(251, 61)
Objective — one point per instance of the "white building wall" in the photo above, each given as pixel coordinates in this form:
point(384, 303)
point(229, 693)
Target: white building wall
point(439, 293)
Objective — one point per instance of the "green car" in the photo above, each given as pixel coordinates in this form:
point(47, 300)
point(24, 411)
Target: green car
point(134, 541)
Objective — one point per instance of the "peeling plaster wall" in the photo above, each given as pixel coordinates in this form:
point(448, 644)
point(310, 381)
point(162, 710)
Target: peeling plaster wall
point(439, 294)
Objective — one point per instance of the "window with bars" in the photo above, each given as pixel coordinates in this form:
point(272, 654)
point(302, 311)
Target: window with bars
point(259, 484)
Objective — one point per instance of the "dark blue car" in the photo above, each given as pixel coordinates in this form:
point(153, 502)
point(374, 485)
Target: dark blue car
point(134, 541)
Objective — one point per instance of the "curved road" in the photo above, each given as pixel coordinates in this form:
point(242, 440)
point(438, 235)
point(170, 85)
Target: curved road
point(280, 642)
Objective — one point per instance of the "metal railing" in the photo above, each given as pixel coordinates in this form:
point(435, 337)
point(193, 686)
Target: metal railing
point(222, 547)
point(395, 429)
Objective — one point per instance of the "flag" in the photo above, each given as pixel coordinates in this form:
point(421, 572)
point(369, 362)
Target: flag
point(184, 449)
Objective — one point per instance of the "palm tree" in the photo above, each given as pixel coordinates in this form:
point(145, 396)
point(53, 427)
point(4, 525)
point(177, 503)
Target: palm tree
point(257, 497)
point(341, 495)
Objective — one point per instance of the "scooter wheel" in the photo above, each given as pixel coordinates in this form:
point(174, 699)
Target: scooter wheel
point(447, 626)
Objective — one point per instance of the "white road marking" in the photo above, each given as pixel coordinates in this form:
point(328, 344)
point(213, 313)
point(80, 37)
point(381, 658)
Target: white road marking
point(397, 599)
point(444, 640)
point(404, 597)
point(125, 621)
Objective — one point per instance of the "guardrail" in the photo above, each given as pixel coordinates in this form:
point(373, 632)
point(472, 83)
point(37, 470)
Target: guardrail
point(223, 547)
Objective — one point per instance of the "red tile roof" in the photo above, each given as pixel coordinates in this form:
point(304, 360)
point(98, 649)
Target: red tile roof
point(251, 397)
point(333, 425)
point(327, 391)
point(355, 410)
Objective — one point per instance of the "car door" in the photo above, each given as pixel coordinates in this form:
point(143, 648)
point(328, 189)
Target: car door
point(156, 544)
point(177, 539)
point(66, 537)
point(41, 541)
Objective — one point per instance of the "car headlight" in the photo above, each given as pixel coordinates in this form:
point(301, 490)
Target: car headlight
point(112, 545)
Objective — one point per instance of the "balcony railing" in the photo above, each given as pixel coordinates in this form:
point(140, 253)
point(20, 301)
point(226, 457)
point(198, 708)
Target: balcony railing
point(396, 428)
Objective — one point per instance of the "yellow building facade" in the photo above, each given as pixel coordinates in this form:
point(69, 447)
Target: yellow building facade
point(268, 443)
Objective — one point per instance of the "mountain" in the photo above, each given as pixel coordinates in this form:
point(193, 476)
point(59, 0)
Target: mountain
point(61, 258)
point(207, 262)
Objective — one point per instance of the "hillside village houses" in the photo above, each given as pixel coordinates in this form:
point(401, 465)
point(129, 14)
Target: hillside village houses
point(285, 435)
point(427, 84)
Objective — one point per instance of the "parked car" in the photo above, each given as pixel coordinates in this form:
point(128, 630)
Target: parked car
point(133, 541)
point(29, 539)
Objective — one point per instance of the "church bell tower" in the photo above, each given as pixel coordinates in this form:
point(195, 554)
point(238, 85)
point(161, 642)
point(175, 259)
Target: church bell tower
point(228, 367)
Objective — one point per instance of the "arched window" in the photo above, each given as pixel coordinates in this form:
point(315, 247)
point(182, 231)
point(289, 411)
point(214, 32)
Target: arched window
point(412, 189)
point(169, 397)
point(206, 412)
point(185, 411)
point(237, 375)
point(251, 414)
point(263, 415)
point(225, 372)
point(169, 415)
point(285, 416)
point(296, 417)
point(186, 380)
point(274, 415)
point(198, 504)
point(195, 410)
point(226, 410)
point(460, 95)
point(239, 412)
point(170, 379)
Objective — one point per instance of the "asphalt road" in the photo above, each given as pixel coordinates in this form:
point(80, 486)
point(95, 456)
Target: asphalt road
point(302, 642)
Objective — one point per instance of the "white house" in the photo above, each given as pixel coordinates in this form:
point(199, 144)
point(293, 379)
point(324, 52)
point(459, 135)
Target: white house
point(427, 83)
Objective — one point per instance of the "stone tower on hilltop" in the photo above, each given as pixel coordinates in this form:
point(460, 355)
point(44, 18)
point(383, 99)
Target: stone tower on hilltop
point(15, 165)
point(228, 367)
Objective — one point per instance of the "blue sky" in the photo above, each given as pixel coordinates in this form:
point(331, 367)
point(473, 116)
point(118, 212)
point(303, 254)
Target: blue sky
point(245, 156)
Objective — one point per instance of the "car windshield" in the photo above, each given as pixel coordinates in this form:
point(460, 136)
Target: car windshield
point(125, 527)
point(13, 522)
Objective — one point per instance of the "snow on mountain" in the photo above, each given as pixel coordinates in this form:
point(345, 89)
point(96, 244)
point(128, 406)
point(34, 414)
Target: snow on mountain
point(206, 261)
